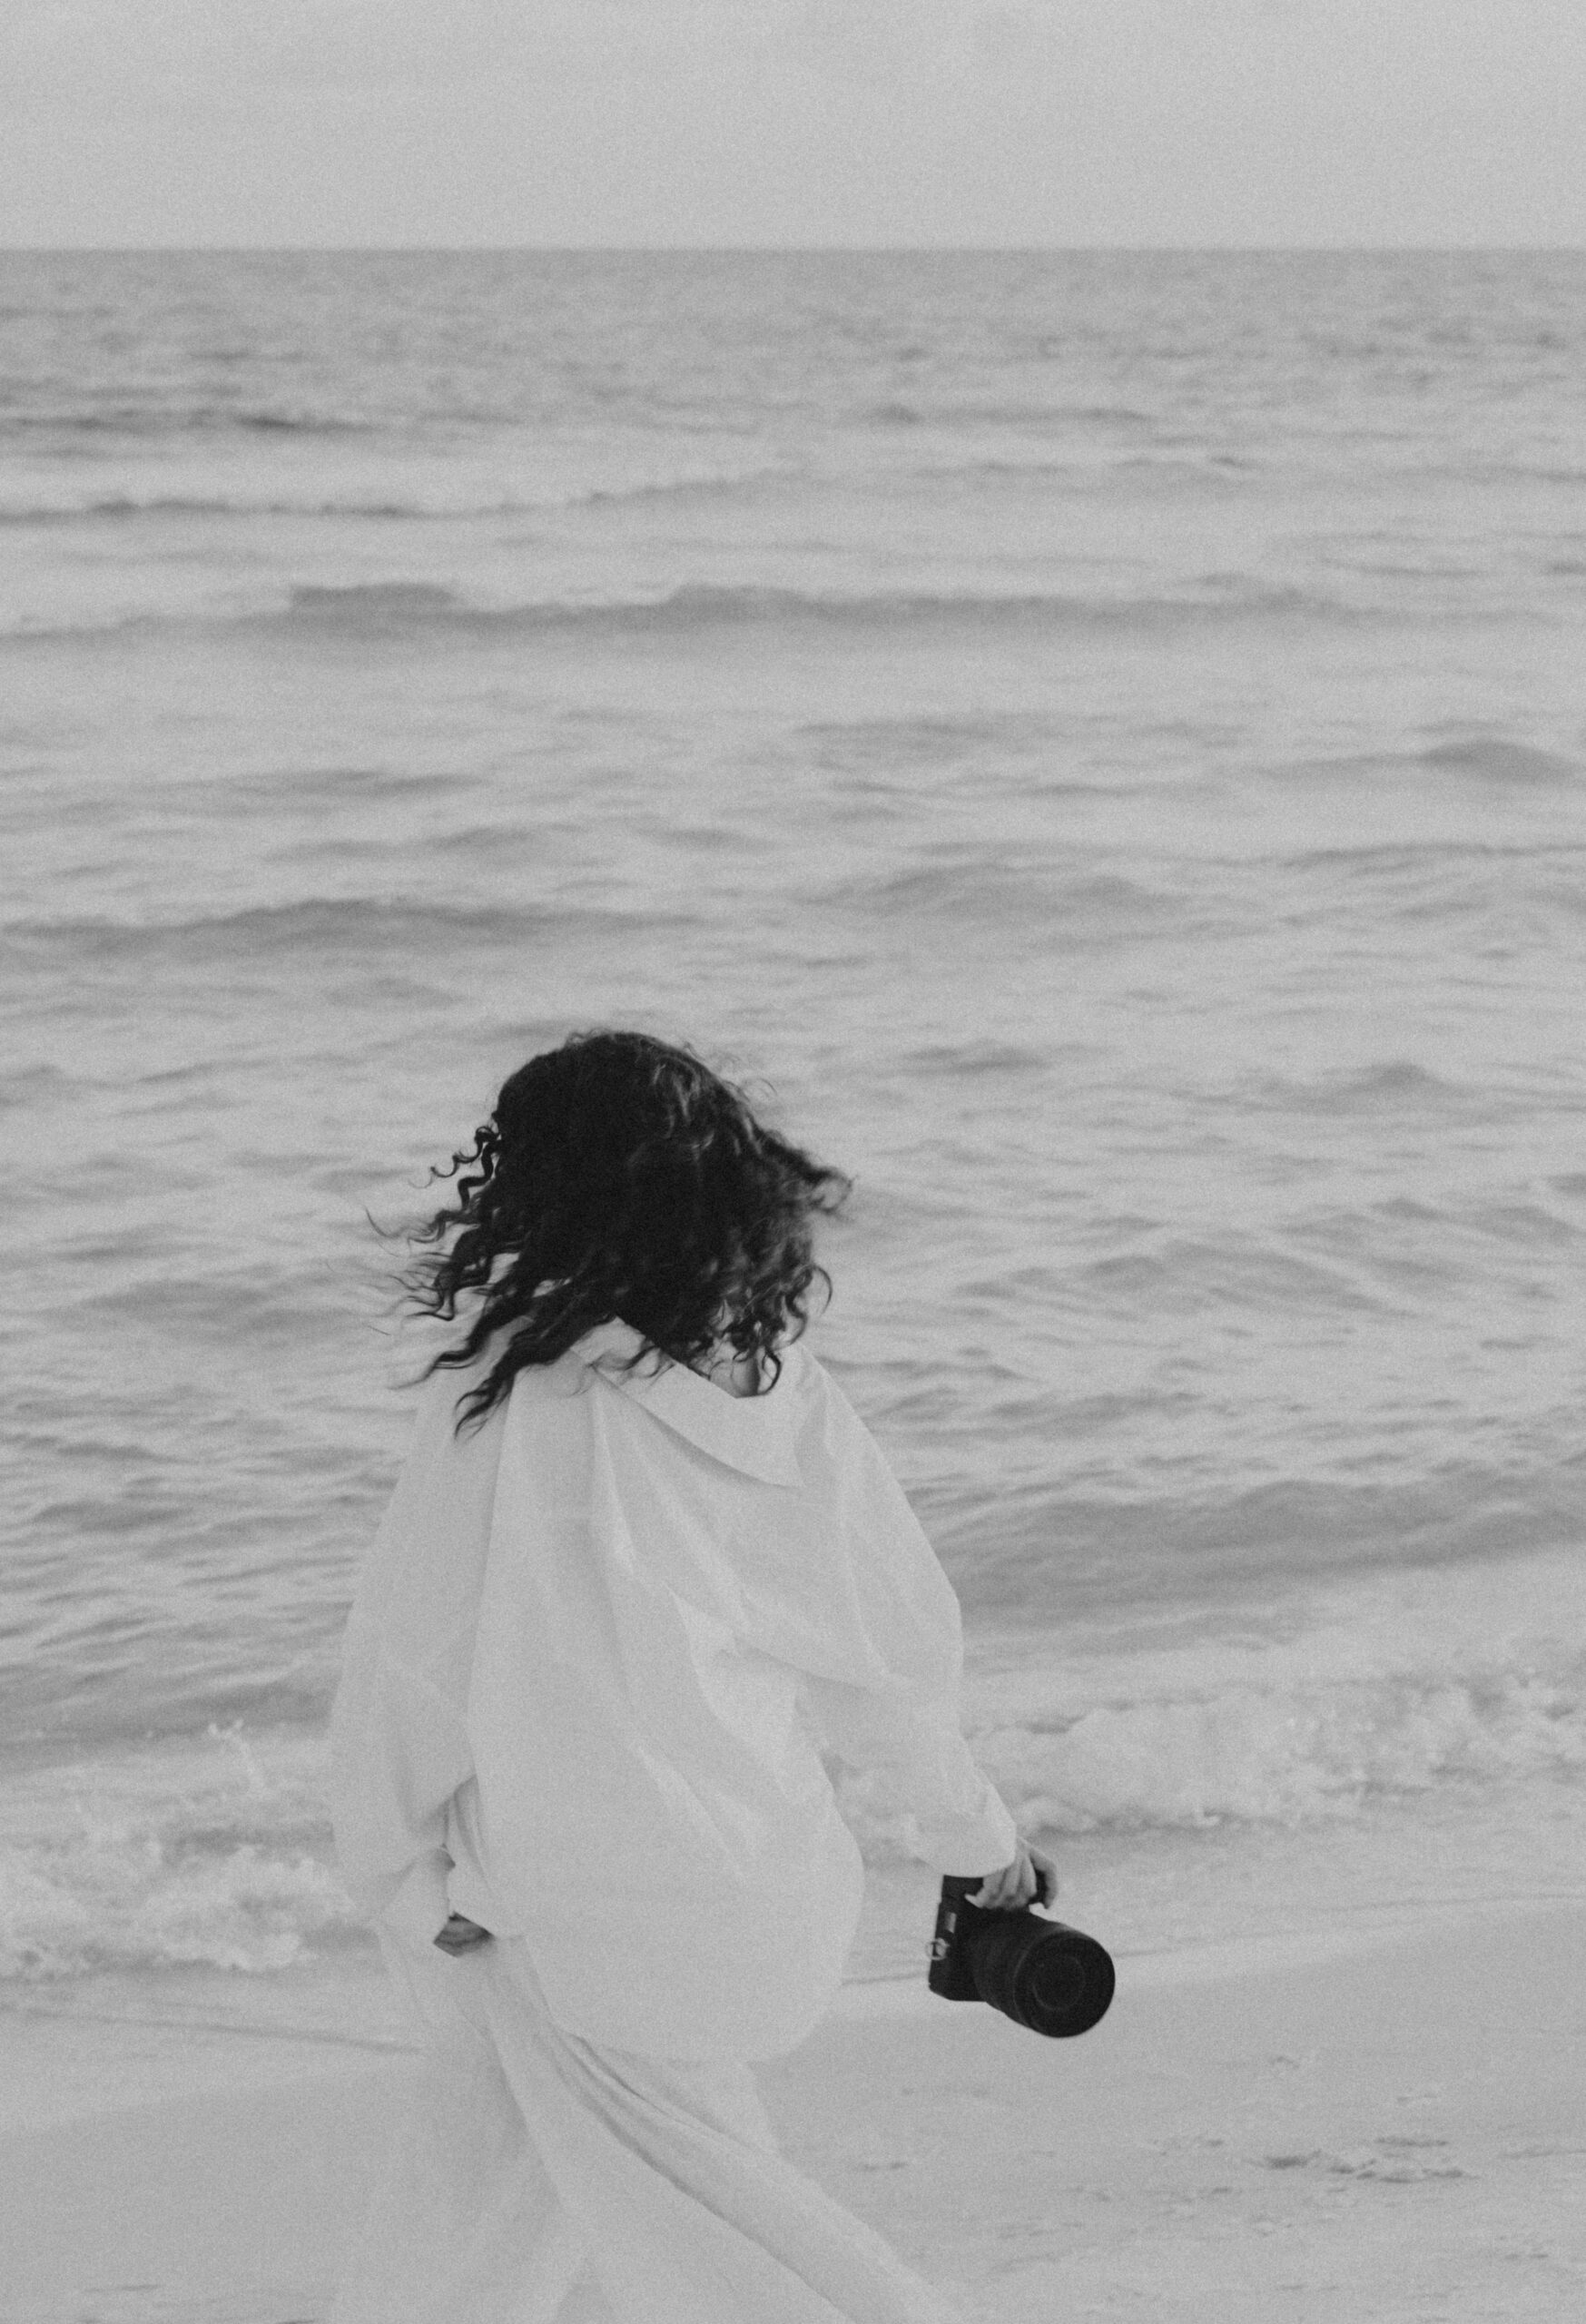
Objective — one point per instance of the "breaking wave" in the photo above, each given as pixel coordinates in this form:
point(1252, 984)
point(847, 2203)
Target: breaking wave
point(219, 1851)
point(411, 609)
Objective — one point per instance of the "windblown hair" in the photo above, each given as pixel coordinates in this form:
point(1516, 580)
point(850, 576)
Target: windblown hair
point(619, 1178)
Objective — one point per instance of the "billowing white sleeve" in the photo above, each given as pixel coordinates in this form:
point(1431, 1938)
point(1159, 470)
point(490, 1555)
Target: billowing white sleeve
point(918, 1751)
point(889, 1700)
point(399, 1752)
point(400, 1747)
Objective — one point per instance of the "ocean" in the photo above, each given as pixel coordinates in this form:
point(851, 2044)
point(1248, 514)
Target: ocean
point(1095, 742)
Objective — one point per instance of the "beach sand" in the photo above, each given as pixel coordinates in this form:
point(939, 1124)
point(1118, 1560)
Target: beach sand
point(1390, 2125)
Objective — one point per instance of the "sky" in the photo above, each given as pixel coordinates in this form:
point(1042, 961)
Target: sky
point(791, 124)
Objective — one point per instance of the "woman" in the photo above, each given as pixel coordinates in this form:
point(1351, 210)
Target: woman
point(642, 1562)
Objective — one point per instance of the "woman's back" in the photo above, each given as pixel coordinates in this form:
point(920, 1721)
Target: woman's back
point(674, 1583)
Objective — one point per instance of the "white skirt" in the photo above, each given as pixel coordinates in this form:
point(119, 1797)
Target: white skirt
point(537, 2178)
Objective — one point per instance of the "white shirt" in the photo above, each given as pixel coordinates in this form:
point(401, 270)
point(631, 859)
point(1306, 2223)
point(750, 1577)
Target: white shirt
point(594, 1655)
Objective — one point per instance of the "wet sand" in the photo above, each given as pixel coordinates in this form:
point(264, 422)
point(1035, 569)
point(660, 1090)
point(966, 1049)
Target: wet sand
point(1377, 2128)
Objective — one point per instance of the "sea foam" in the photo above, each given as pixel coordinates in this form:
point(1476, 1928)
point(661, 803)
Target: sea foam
point(218, 1850)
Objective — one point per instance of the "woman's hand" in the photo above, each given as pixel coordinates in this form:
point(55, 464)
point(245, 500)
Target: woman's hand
point(1016, 1885)
point(461, 1935)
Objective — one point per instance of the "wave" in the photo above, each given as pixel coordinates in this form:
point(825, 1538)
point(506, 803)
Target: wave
point(1159, 472)
point(901, 742)
point(969, 893)
point(971, 890)
point(126, 507)
point(683, 487)
point(218, 1850)
point(1392, 1085)
point(1194, 1277)
point(1482, 758)
point(1493, 759)
point(321, 927)
point(894, 411)
point(146, 420)
point(1395, 856)
point(374, 785)
point(1387, 1685)
point(700, 608)
point(1107, 1535)
point(1286, 1753)
point(29, 1085)
point(960, 1061)
point(436, 505)
point(410, 609)
point(216, 1854)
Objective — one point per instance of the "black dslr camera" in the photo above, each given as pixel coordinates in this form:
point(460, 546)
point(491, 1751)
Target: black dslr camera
point(1040, 1974)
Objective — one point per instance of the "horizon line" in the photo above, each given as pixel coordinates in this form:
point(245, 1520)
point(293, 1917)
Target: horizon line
point(787, 250)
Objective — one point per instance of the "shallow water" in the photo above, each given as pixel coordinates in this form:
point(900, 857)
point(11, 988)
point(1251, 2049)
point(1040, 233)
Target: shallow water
point(1103, 737)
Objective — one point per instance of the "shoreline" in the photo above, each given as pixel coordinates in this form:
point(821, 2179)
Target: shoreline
point(1332, 2129)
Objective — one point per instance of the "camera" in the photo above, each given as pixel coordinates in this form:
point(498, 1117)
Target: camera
point(1052, 1979)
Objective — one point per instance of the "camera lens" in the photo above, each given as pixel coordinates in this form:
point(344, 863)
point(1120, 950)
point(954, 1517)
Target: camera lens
point(1041, 1974)
point(1056, 1981)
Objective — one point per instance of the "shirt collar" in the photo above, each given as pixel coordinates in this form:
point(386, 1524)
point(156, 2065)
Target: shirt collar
point(752, 1433)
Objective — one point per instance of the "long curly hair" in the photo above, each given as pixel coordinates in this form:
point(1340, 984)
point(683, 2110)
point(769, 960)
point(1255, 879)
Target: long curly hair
point(619, 1178)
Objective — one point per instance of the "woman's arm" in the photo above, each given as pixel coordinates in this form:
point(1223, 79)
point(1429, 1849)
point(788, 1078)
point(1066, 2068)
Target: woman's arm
point(909, 1737)
point(398, 1741)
